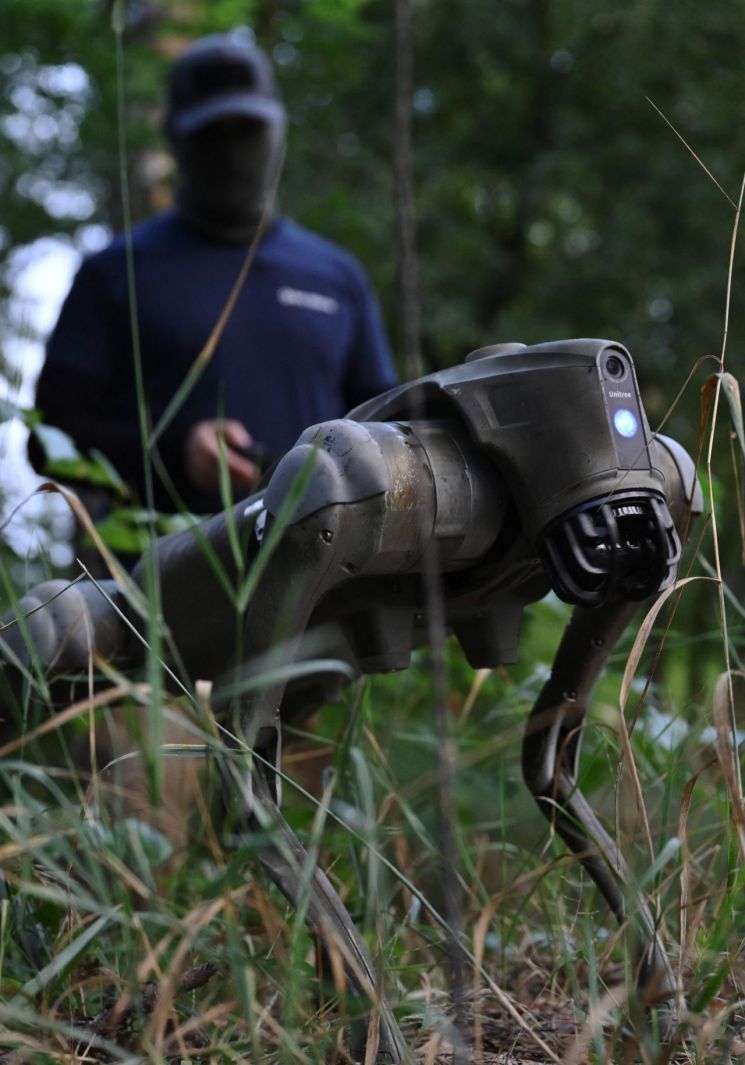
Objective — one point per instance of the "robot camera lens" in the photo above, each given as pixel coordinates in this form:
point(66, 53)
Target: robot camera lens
point(614, 367)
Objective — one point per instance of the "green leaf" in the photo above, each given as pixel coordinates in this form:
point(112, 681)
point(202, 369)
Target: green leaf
point(104, 466)
point(83, 470)
point(126, 529)
point(65, 463)
point(58, 446)
point(131, 529)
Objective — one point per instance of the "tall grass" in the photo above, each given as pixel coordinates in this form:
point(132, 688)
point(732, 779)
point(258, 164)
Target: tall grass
point(112, 941)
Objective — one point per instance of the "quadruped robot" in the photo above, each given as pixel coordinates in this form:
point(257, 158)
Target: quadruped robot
point(522, 470)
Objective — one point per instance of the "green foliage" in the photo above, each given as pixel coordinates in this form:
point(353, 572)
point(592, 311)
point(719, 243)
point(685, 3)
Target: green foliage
point(130, 530)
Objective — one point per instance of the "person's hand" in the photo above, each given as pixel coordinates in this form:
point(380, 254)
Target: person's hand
point(202, 454)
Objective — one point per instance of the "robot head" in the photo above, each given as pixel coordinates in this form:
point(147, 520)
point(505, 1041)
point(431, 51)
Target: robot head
point(564, 424)
point(624, 546)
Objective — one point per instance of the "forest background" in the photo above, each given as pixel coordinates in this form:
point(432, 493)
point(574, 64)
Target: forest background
point(576, 171)
point(552, 197)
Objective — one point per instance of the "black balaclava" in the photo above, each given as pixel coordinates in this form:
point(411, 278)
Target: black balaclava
point(226, 124)
point(227, 175)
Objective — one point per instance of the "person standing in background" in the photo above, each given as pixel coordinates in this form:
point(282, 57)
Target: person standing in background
point(304, 341)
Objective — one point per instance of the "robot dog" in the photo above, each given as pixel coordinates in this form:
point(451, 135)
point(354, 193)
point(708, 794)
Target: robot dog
point(524, 469)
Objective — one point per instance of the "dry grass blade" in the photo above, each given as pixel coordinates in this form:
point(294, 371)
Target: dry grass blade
point(373, 1036)
point(91, 702)
point(727, 764)
point(685, 871)
point(480, 932)
point(193, 925)
point(725, 746)
point(29, 845)
point(117, 572)
point(645, 629)
point(613, 999)
point(113, 565)
point(629, 761)
point(688, 148)
point(479, 679)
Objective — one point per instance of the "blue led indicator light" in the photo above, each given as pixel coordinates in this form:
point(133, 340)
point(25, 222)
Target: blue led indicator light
point(626, 423)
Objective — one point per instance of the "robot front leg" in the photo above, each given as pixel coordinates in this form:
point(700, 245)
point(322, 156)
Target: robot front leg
point(552, 739)
point(550, 757)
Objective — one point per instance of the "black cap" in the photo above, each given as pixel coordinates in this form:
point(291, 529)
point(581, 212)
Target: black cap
point(221, 76)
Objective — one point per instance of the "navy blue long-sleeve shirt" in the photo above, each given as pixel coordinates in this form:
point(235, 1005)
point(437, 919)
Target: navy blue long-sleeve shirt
point(304, 343)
